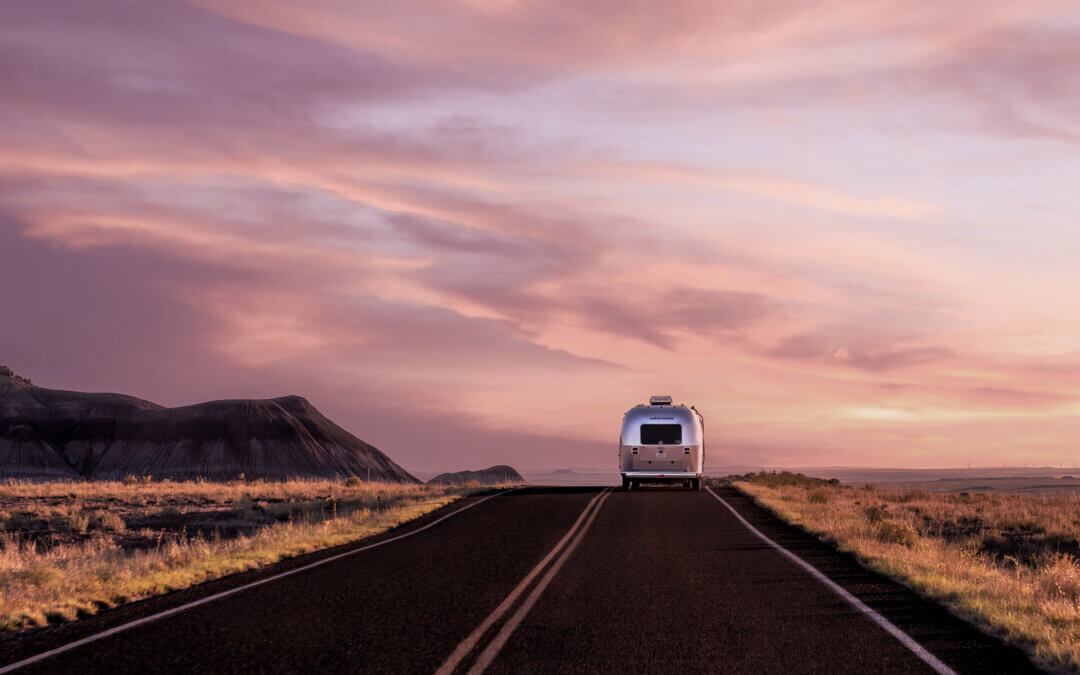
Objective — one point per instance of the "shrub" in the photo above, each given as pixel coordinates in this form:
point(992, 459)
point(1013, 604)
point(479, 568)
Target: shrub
point(38, 575)
point(876, 513)
point(1060, 578)
point(1027, 547)
point(78, 521)
point(892, 532)
point(352, 482)
point(111, 522)
point(784, 478)
point(818, 496)
point(18, 521)
point(913, 495)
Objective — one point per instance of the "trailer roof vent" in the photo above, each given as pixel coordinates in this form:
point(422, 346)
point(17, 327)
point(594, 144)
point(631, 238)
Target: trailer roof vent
point(660, 400)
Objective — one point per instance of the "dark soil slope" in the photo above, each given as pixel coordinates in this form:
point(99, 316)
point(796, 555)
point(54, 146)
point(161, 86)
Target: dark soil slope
point(48, 434)
point(493, 475)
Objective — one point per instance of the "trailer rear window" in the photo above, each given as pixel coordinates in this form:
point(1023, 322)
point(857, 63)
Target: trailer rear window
point(656, 434)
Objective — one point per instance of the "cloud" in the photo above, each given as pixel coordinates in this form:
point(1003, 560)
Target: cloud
point(658, 316)
point(775, 187)
point(859, 349)
point(109, 316)
point(177, 63)
point(1013, 398)
point(1015, 77)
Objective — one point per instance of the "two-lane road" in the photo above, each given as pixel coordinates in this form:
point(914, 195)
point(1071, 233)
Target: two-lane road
point(541, 580)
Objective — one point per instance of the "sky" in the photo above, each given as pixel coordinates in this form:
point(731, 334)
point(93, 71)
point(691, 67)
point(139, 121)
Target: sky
point(476, 232)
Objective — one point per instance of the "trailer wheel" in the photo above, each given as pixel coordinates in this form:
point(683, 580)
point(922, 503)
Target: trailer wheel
point(626, 484)
point(695, 484)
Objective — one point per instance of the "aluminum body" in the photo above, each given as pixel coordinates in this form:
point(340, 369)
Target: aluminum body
point(661, 462)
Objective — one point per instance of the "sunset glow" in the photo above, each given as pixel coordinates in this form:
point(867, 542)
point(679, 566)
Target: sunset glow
point(476, 233)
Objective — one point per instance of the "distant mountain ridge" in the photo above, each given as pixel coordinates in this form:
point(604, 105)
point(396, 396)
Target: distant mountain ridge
point(48, 434)
point(493, 475)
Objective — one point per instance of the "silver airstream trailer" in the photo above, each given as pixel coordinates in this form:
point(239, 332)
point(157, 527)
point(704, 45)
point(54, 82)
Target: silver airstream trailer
point(662, 443)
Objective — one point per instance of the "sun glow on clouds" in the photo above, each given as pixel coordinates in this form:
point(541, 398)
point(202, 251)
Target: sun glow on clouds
point(841, 229)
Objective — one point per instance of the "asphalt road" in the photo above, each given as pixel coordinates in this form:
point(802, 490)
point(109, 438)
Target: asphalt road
point(543, 580)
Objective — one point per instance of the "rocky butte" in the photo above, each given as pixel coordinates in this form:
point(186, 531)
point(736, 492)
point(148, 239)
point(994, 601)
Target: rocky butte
point(50, 434)
point(493, 475)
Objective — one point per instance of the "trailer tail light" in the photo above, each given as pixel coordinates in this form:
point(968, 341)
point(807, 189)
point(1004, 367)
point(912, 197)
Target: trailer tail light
point(634, 451)
point(686, 451)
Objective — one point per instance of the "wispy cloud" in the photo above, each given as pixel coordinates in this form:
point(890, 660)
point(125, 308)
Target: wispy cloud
point(780, 188)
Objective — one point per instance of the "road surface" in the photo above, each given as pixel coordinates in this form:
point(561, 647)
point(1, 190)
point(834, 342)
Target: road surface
point(541, 580)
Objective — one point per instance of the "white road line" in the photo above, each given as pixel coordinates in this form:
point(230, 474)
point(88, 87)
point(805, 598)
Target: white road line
point(496, 645)
point(470, 642)
point(217, 596)
point(905, 639)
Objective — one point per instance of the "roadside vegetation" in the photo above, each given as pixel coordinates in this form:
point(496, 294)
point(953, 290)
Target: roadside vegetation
point(1007, 562)
point(69, 549)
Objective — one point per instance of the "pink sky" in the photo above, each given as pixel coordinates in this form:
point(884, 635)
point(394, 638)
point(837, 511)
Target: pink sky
point(477, 232)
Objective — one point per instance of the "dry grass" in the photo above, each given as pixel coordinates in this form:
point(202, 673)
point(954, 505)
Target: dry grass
point(1007, 562)
point(69, 549)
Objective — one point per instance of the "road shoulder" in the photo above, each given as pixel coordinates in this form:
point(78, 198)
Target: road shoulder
point(954, 640)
